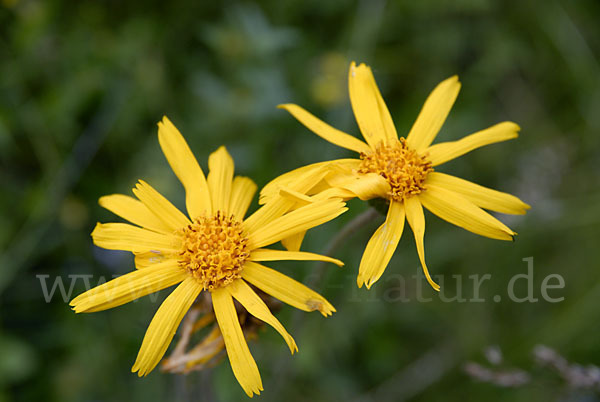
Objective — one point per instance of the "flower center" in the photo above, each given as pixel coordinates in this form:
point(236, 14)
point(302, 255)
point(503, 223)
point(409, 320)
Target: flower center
point(214, 250)
point(403, 168)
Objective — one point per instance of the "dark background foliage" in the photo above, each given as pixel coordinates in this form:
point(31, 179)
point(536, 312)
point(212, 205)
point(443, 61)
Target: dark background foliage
point(82, 85)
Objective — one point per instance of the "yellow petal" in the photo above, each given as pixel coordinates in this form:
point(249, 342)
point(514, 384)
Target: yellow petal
point(271, 189)
point(364, 186)
point(370, 111)
point(160, 206)
point(327, 194)
point(416, 220)
point(296, 221)
point(286, 289)
point(129, 287)
point(290, 179)
point(463, 213)
point(265, 254)
point(320, 186)
point(445, 151)
point(294, 242)
point(134, 211)
point(273, 209)
point(122, 236)
point(293, 179)
point(163, 326)
point(433, 114)
point(242, 191)
point(242, 363)
point(147, 258)
point(481, 196)
point(186, 168)
point(255, 306)
point(386, 118)
point(277, 205)
point(220, 177)
point(324, 130)
point(381, 246)
point(297, 197)
point(334, 192)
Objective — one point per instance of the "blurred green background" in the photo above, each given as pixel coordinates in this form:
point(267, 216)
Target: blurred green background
point(83, 84)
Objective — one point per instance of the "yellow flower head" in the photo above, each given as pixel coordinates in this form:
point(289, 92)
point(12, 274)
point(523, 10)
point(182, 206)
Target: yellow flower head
point(212, 249)
point(401, 171)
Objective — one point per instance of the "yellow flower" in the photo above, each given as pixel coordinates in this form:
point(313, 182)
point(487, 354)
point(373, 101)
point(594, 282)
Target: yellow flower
point(214, 249)
point(401, 171)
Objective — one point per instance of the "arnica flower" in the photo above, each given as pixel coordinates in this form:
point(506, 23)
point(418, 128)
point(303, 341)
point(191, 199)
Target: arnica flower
point(401, 171)
point(213, 249)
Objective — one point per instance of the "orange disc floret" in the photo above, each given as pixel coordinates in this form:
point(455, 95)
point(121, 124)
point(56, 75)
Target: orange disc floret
point(214, 249)
point(403, 168)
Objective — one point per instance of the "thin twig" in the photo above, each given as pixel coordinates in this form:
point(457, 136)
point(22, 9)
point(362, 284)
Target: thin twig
point(509, 378)
point(575, 375)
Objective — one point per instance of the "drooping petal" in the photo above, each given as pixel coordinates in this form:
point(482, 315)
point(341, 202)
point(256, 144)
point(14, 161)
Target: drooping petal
point(296, 221)
point(286, 289)
point(265, 254)
point(122, 236)
point(160, 206)
point(445, 151)
point(134, 211)
point(433, 114)
point(163, 326)
point(186, 168)
point(242, 191)
point(483, 197)
point(364, 186)
point(324, 130)
point(129, 287)
point(381, 246)
point(242, 363)
point(255, 306)
point(461, 212)
point(416, 220)
point(370, 111)
point(220, 177)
